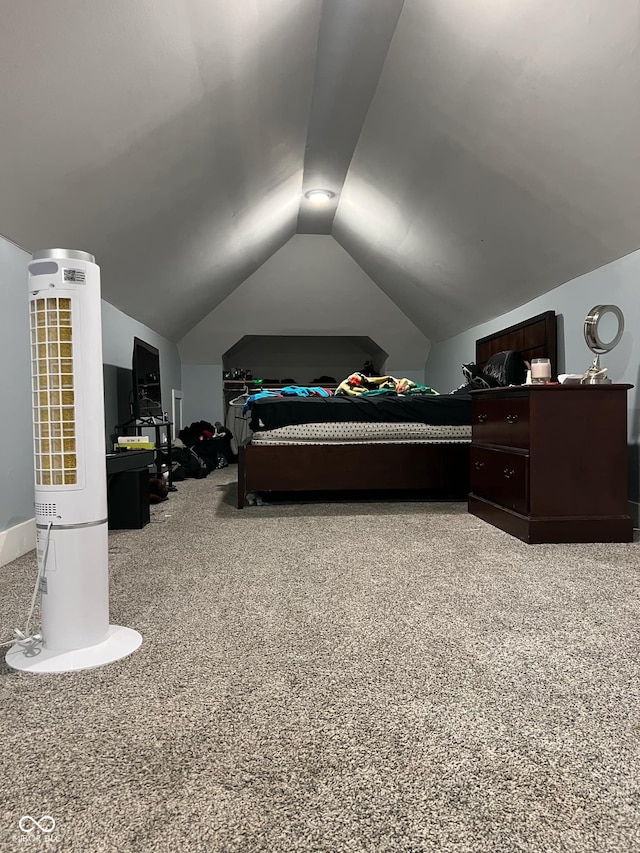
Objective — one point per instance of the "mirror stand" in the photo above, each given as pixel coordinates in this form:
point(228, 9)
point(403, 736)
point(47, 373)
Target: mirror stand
point(595, 375)
point(594, 329)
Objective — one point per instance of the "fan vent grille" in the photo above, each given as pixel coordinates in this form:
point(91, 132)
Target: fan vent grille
point(46, 509)
point(54, 411)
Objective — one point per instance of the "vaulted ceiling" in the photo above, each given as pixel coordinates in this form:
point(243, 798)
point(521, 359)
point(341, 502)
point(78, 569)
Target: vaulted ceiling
point(481, 152)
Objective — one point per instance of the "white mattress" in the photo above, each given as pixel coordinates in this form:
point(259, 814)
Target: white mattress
point(364, 433)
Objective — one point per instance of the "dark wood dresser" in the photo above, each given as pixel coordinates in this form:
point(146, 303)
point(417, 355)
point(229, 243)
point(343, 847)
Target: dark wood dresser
point(549, 462)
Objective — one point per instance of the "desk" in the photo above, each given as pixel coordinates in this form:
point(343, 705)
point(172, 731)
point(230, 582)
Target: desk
point(128, 488)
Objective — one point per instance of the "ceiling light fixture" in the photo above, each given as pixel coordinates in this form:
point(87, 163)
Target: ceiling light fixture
point(319, 196)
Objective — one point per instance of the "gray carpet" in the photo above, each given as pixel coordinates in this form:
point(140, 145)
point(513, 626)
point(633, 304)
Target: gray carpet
point(337, 677)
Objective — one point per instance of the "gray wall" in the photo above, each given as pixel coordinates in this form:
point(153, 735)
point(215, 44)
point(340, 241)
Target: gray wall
point(16, 443)
point(202, 390)
point(616, 283)
point(118, 332)
point(309, 287)
point(304, 359)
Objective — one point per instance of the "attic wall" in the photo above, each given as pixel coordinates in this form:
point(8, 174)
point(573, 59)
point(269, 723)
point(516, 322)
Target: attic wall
point(16, 443)
point(311, 286)
point(118, 332)
point(303, 360)
point(615, 283)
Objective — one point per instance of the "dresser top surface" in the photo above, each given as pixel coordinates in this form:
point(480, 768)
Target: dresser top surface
point(527, 390)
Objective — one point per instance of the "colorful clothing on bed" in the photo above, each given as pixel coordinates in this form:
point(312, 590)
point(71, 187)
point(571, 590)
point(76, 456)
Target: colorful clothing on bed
point(287, 391)
point(359, 385)
point(304, 391)
point(259, 396)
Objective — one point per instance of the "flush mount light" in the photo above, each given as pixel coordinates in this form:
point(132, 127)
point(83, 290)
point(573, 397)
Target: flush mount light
point(319, 196)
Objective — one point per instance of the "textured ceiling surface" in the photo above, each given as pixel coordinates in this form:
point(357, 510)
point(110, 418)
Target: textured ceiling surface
point(481, 151)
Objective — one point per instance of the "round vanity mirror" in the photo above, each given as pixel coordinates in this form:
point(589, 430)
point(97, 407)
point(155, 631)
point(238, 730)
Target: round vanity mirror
point(603, 328)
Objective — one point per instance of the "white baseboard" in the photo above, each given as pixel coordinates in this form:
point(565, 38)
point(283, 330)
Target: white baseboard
point(17, 541)
point(634, 512)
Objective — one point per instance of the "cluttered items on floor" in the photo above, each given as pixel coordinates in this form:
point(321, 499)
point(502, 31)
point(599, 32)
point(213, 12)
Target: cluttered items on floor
point(158, 490)
point(201, 448)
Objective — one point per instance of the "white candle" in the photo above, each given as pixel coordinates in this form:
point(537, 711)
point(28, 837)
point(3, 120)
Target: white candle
point(540, 370)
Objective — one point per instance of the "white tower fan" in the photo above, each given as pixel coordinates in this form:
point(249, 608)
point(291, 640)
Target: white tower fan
point(70, 470)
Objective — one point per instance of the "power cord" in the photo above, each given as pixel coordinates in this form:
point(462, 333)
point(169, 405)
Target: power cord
point(25, 636)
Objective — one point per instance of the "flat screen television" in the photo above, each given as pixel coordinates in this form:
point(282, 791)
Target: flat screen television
point(147, 399)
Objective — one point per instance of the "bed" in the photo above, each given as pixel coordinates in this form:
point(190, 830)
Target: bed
point(397, 457)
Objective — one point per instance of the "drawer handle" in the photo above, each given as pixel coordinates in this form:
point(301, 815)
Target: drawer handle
point(482, 418)
point(479, 465)
point(512, 419)
point(509, 473)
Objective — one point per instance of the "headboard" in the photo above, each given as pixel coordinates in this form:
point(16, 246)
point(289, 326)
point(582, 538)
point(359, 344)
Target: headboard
point(534, 338)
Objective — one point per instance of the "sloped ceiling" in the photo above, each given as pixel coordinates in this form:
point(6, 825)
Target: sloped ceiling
point(500, 157)
point(490, 148)
point(164, 136)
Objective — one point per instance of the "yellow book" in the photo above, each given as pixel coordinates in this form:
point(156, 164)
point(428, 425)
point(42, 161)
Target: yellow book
point(140, 443)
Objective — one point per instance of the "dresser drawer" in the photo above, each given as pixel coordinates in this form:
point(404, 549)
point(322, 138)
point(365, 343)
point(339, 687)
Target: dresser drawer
point(502, 422)
point(501, 477)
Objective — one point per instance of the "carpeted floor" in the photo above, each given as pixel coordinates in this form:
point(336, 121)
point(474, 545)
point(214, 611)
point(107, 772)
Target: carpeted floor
point(336, 677)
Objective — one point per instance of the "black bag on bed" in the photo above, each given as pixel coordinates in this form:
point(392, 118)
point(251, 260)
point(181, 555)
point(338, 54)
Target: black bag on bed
point(507, 368)
point(501, 369)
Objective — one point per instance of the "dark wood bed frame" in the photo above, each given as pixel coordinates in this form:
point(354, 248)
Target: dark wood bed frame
point(443, 468)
